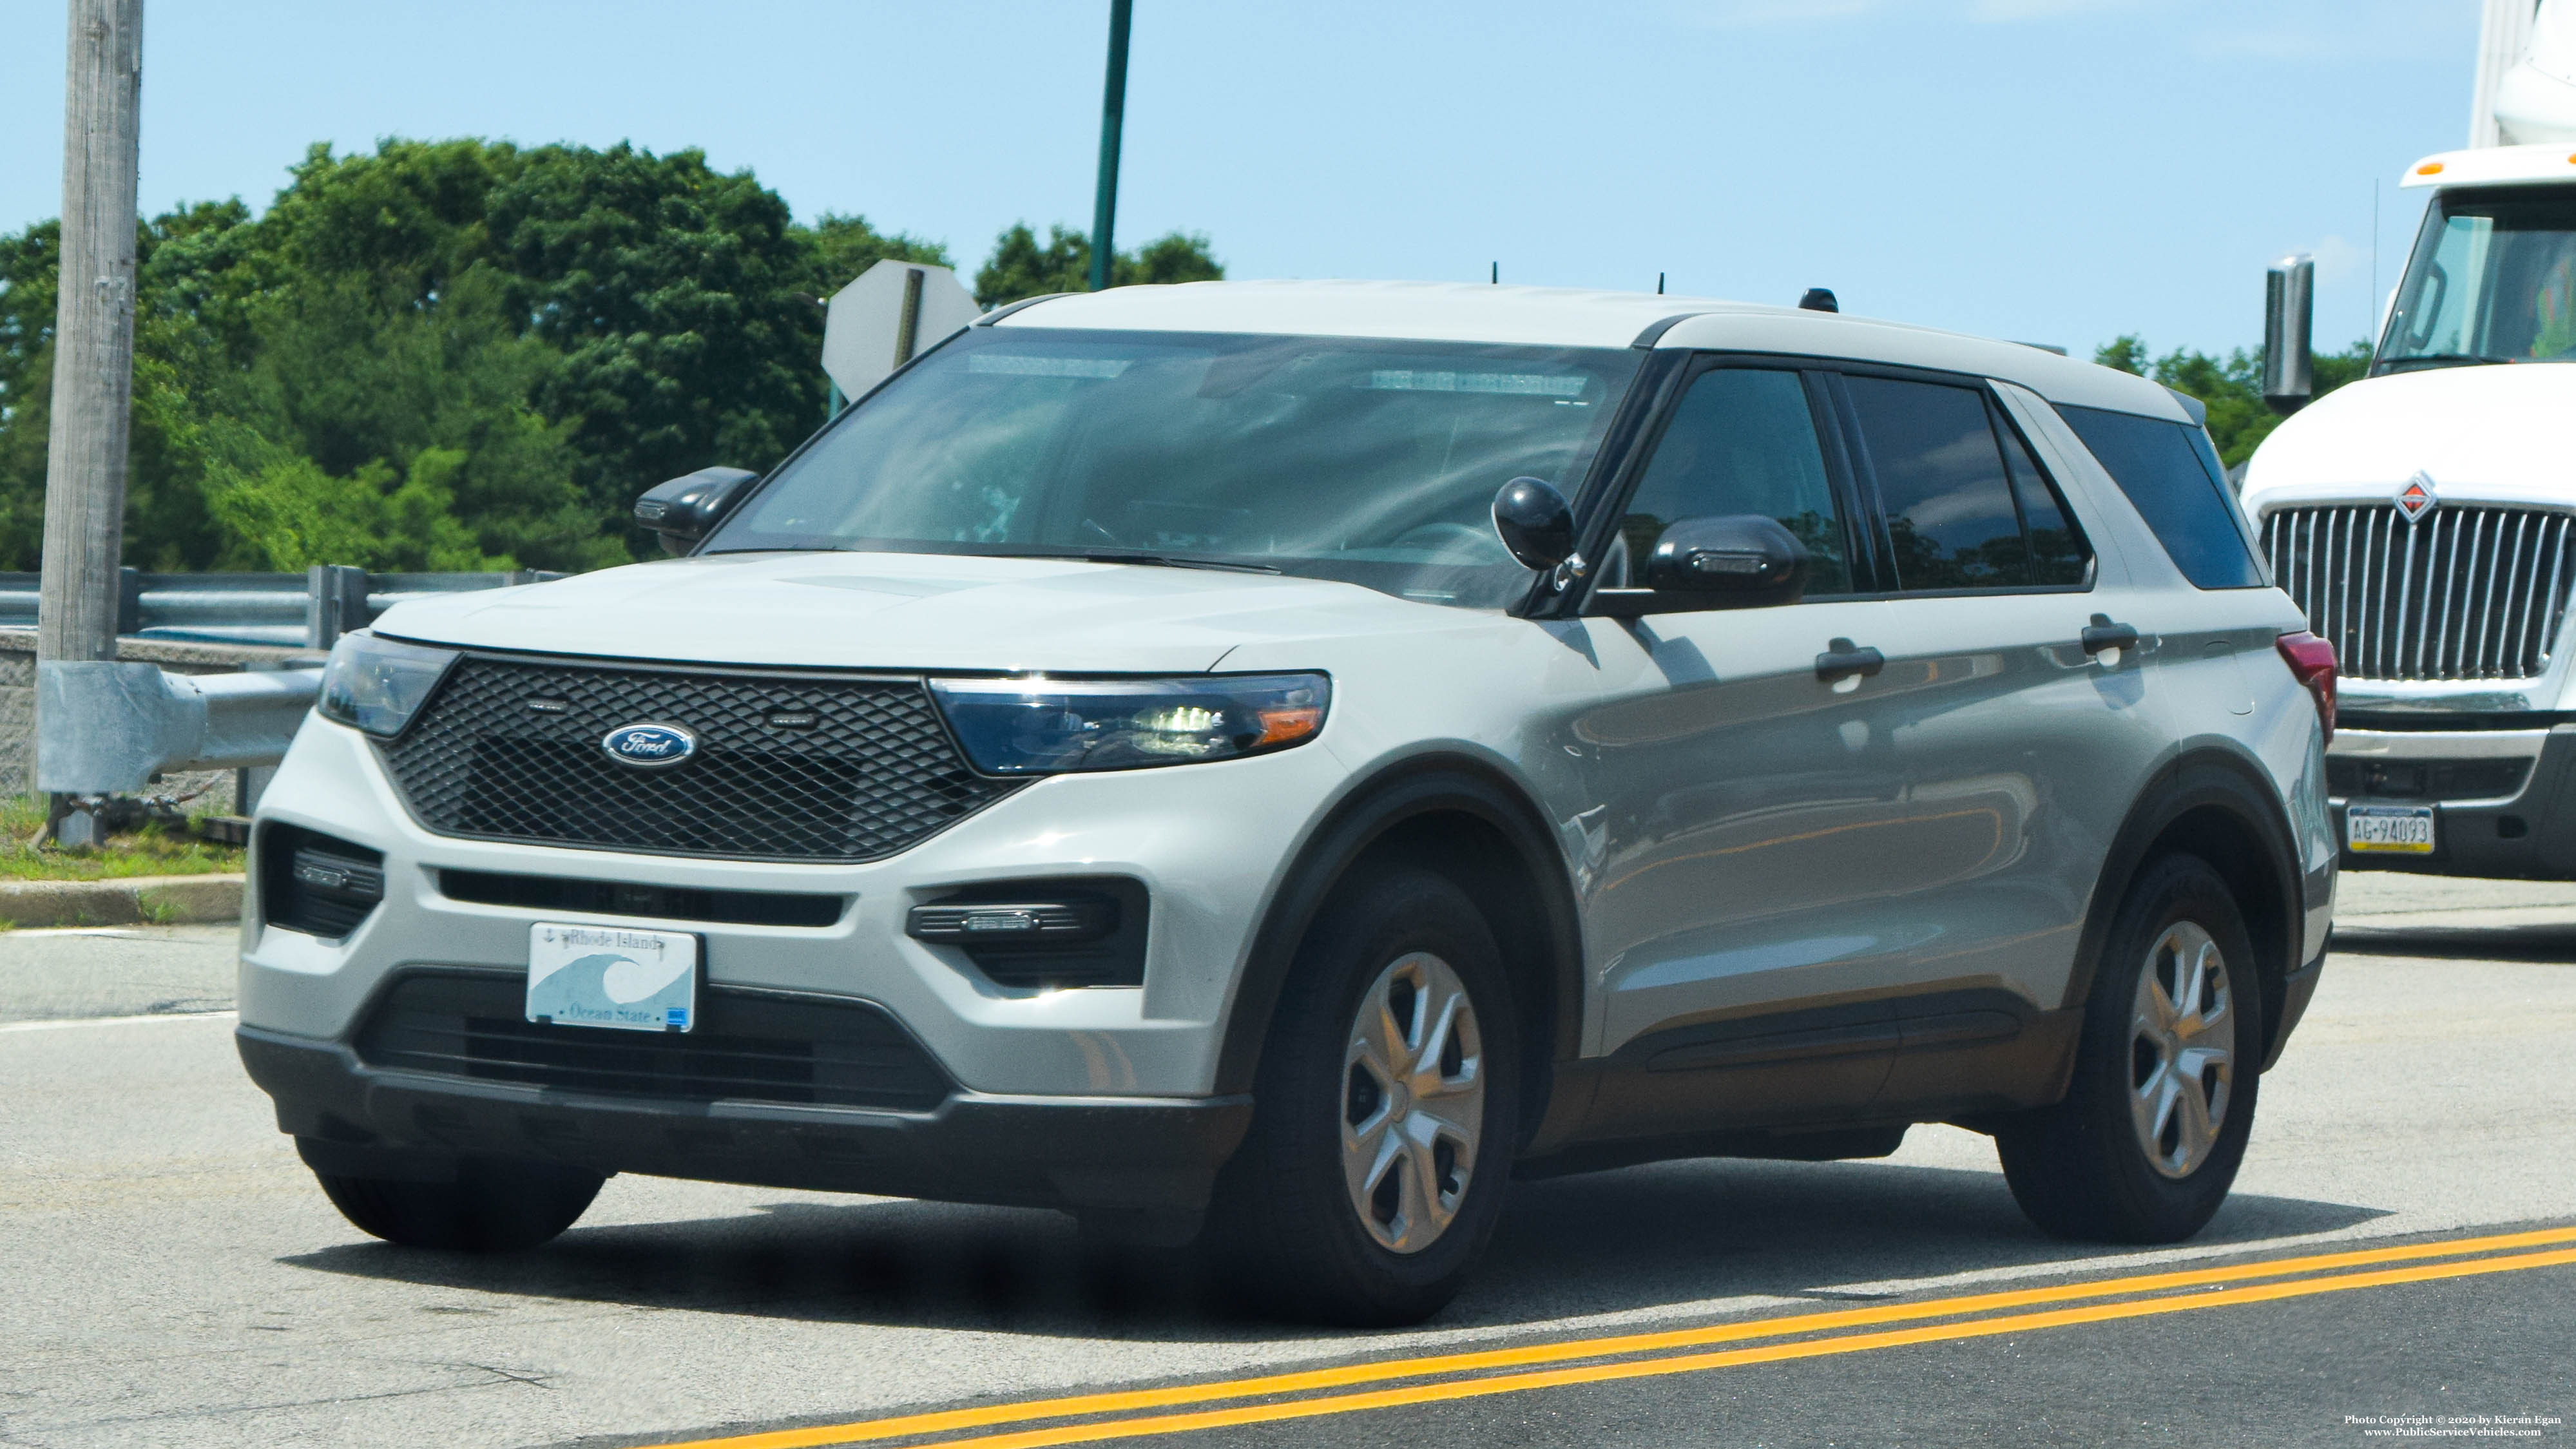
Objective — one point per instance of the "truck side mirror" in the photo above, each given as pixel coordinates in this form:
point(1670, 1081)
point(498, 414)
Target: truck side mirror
point(1745, 555)
point(2289, 316)
point(688, 507)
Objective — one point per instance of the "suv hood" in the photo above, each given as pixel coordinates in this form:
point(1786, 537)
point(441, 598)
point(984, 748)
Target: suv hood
point(2500, 432)
point(903, 611)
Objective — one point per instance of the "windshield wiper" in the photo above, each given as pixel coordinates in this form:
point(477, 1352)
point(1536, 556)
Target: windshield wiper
point(2443, 359)
point(1151, 560)
point(1173, 561)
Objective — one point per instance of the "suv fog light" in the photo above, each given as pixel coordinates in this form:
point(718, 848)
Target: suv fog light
point(316, 883)
point(1043, 934)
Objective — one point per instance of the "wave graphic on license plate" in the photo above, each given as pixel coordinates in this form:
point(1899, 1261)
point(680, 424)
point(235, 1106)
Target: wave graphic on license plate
point(605, 976)
point(2389, 829)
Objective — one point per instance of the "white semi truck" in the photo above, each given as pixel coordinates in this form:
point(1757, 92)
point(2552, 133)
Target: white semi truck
point(2425, 516)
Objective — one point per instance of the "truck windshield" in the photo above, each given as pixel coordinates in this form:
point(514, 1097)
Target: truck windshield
point(2493, 279)
point(1371, 462)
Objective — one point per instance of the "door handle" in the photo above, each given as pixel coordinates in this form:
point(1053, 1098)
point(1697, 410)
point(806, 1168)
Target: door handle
point(2103, 634)
point(1843, 658)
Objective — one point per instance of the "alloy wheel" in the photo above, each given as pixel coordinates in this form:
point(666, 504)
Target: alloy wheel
point(1413, 1102)
point(2182, 1049)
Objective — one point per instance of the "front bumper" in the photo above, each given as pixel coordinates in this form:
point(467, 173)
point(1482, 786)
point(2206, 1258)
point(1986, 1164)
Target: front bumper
point(1110, 1156)
point(2528, 833)
point(1207, 842)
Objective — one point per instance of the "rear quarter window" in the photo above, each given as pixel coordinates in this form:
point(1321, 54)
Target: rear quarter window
point(2170, 474)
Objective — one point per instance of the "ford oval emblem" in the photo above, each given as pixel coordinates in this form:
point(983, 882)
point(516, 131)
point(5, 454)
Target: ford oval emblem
point(649, 746)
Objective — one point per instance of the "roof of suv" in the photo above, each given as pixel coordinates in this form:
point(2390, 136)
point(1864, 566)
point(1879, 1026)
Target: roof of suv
point(1575, 317)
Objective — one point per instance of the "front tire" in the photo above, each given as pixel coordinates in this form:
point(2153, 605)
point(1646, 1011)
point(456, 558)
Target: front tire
point(491, 1207)
point(2154, 1124)
point(1386, 1112)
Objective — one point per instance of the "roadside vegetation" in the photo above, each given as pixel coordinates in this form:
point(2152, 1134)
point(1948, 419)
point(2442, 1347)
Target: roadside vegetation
point(2231, 385)
point(151, 848)
point(465, 355)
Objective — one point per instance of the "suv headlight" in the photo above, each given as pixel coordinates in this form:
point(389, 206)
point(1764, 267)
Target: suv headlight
point(379, 684)
point(1044, 726)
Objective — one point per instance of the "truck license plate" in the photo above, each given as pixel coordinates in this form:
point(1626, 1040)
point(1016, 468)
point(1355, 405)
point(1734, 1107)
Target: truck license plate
point(2390, 829)
point(614, 977)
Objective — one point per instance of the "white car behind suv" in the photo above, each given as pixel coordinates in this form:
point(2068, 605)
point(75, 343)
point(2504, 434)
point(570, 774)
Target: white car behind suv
point(1284, 759)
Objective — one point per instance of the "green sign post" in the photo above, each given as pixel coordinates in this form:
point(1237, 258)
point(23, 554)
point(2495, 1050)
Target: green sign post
point(1113, 105)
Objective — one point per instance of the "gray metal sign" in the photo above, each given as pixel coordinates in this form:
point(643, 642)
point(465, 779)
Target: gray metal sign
point(892, 311)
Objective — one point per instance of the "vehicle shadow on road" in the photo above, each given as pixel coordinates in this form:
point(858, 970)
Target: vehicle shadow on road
point(1638, 1238)
point(2549, 944)
point(1691, 1230)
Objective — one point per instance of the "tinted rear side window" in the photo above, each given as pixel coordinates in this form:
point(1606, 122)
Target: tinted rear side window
point(1950, 514)
point(2169, 473)
point(2058, 553)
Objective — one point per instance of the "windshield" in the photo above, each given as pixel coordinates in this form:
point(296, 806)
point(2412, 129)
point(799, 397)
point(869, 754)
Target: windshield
point(2493, 279)
point(1371, 462)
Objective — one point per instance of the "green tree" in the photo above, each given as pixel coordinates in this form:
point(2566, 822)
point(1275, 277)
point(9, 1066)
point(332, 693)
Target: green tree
point(29, 261)
point(669, 287)
point(461, 353)
point(837, 248)
point(2231, 387)
point(1020, 267)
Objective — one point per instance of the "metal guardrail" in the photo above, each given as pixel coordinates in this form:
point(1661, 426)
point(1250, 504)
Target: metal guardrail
point(138, 721)
point(105, 727)
point(310, 610)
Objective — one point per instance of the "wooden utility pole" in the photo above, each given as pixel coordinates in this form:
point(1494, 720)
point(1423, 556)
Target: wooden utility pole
point(85, 449)
point(93, 336)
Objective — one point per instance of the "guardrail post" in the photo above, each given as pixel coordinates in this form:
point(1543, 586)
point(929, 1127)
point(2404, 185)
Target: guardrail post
point(249, 783)
point(129, 601)
point(337, 603)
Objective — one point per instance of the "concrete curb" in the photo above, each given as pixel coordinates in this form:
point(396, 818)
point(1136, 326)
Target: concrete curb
point(154, 900)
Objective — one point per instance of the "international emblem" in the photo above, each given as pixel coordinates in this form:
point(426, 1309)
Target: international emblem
point(2416, 499)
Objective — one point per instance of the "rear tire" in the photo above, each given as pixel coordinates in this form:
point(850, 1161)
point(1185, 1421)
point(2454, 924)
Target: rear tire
point(2153, 1127)
point(491, 1207)
point(1386, 1112)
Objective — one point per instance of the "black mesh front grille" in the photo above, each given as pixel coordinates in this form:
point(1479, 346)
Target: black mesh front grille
point(746, 1048)
point(623, 898)
point(788, 767)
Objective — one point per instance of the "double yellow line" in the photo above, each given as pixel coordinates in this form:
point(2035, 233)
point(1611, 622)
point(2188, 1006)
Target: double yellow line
point(1316, 1392)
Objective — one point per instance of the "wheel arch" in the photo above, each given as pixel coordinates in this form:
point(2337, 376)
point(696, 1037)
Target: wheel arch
point(1471, 823)
point(2219, 806)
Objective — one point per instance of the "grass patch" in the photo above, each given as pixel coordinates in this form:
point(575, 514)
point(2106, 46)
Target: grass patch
point(151, 849)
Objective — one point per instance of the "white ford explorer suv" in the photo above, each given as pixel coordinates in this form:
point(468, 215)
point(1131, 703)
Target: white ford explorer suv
point(1273, 762)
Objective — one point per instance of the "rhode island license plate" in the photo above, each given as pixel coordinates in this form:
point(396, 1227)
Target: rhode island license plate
point(2389, 829)
point(610, 976)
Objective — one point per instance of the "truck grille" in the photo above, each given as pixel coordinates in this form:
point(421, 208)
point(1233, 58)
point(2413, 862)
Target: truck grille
point(788, 766)
point(2464, 593)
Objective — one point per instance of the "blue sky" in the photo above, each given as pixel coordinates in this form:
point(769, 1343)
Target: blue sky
point(2046, 170)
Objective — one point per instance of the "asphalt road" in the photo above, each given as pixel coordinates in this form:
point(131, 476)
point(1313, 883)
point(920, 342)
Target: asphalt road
point(174, 1278)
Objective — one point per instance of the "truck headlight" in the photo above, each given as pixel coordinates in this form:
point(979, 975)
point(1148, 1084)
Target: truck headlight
point(1038, 726)
point(377, 684)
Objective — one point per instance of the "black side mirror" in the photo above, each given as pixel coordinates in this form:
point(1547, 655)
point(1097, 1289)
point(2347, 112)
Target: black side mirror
point(1742, 554)
point(687, 508)
point(1535, 521)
